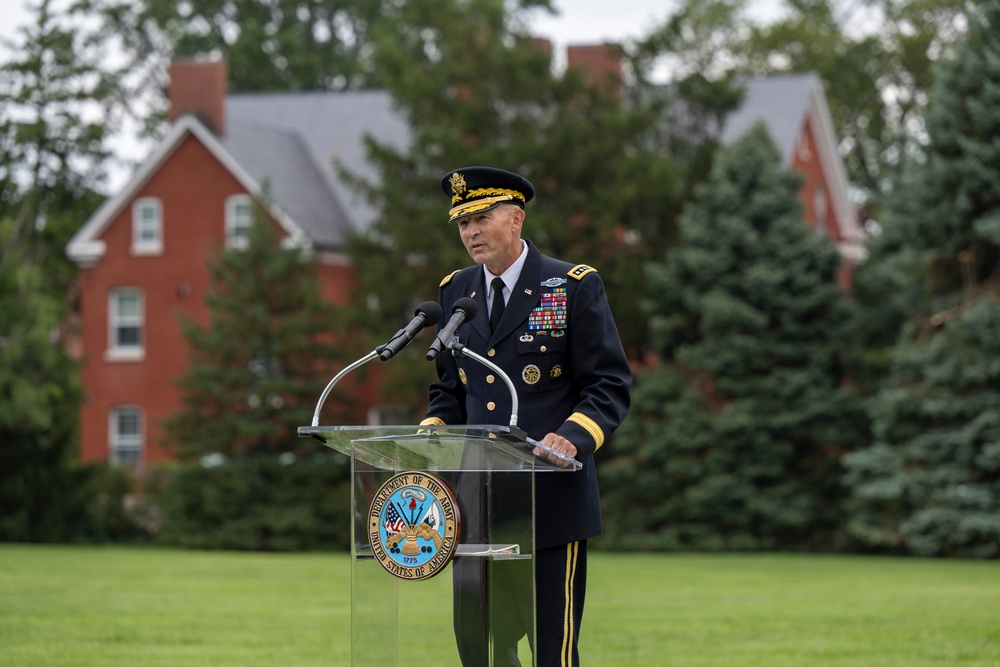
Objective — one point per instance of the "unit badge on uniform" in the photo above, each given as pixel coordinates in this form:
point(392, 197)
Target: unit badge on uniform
point(556, 372)
point(553, 282)
point(414, 525)
point(531, 374)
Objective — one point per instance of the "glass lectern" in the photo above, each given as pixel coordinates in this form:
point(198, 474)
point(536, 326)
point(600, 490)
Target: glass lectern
point(438, 510)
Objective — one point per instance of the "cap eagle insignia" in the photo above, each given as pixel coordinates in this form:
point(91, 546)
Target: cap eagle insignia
point(457, 183)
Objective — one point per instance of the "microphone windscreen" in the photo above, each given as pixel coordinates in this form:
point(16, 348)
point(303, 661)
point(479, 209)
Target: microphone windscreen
point(431, 310)
point(467, 304)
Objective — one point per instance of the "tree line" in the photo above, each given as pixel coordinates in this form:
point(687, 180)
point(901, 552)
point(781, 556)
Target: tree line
point(771, 411)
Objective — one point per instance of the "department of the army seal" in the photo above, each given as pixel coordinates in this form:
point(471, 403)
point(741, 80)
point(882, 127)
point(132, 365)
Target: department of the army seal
point(414, 525)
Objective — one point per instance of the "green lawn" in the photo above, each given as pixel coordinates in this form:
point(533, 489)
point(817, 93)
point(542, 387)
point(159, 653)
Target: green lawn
point(88, 607)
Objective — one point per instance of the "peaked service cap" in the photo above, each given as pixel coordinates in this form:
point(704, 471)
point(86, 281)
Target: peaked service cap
point(479, 189)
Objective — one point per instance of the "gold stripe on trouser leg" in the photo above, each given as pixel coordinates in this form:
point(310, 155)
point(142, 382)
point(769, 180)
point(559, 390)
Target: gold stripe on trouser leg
point(569, 617)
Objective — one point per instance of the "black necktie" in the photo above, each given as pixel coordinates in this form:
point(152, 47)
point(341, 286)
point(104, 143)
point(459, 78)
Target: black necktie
point(497, 311)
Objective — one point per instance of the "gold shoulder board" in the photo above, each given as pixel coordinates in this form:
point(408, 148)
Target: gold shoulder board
point(447, 278)
point(579, 271)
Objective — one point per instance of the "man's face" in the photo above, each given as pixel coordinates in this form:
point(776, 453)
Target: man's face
point(493, 238)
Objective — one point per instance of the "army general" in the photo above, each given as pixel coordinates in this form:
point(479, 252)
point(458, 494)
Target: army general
point(548, 325)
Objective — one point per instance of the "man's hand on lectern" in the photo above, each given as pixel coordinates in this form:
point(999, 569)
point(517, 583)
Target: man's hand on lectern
point(559, 444)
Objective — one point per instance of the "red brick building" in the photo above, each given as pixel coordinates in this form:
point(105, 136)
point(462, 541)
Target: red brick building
point(142, 256)
point(794, 110)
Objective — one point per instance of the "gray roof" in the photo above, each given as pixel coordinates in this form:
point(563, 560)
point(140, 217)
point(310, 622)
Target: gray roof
point(781, 102)
point(282, 165)
point(292, 142)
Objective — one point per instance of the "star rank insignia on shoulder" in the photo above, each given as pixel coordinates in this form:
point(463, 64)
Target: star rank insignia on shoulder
point(580, 270)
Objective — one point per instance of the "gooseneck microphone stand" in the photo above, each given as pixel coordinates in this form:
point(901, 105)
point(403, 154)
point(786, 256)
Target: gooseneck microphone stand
point(515, 431)
point(455, 345)
point(329, 387)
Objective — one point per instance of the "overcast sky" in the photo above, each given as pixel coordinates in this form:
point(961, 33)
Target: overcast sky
point(578, 21)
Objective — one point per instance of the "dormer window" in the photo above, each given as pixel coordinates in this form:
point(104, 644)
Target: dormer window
point(147, 227)
point(239, 220)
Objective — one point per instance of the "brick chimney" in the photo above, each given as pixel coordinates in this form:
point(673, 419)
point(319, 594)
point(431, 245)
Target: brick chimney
point(542, 44)
point(600, 64)
point(199, 87)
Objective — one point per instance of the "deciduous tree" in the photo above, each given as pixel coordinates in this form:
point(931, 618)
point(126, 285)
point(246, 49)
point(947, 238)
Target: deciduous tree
point(270, 45)
point(875, 59)
point(478, 89)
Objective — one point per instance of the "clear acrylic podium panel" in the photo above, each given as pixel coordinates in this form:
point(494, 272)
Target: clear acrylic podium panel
point(395, 622)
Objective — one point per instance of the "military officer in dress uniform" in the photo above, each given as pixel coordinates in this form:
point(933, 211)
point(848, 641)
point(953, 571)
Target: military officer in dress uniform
point(548, 325)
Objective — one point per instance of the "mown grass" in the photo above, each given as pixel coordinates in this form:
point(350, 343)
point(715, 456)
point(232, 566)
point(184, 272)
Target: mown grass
point(117, 607)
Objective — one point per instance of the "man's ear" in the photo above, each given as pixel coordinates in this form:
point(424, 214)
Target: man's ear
point(516, 218)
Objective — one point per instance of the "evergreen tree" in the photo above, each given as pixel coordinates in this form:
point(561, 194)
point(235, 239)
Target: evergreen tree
point(930, 484)
point(55, 117)
point(735, 441)
point(53, 149)
point(39, 400)
point(257, 367)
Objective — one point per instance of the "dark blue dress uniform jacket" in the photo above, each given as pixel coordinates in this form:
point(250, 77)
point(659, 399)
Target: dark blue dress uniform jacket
point(574, 381)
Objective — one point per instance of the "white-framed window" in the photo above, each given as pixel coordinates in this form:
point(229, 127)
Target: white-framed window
point(126, 319)
point(125, 439)
point(239, 220)
point(147, 226)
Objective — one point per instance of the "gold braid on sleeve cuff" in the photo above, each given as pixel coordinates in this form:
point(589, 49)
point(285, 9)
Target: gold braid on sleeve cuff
point(590, 426)
point(430, 421)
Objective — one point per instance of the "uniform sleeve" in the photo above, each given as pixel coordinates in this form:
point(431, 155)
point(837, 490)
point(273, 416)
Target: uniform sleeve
point(446, 397)
point(600, 369)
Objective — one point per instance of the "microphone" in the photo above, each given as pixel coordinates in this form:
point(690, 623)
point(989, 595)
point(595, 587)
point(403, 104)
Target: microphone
point(427, 314)
point(464, 309)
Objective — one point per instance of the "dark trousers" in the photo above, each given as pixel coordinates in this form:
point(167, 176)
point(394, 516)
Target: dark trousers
point(497, 594)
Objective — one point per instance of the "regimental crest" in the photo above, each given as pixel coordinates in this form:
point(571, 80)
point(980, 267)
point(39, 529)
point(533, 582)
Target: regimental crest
point(414, 525)
point(457, 182)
